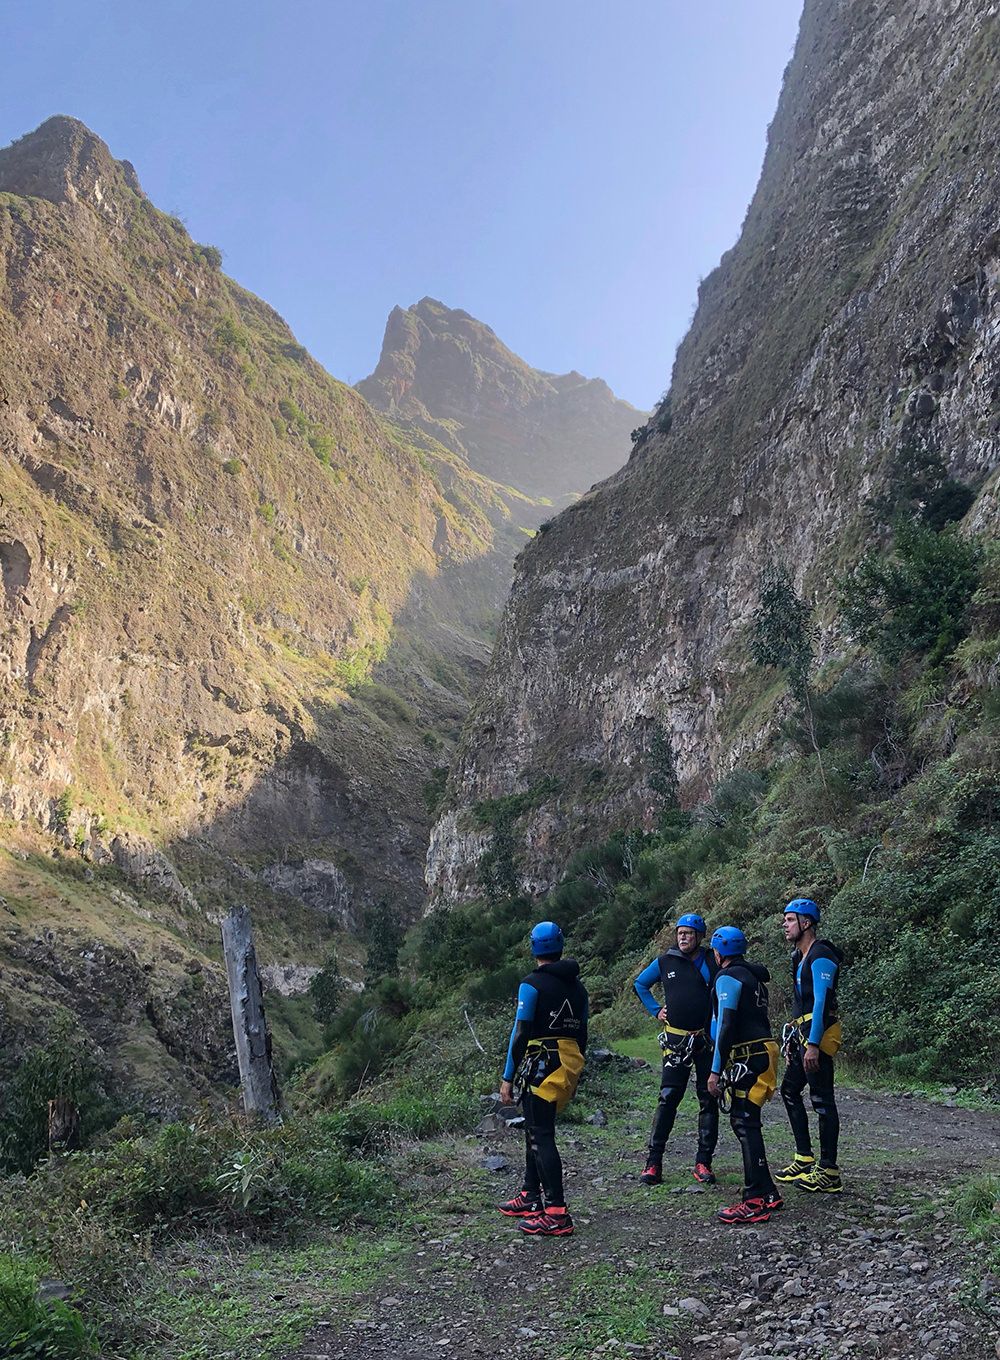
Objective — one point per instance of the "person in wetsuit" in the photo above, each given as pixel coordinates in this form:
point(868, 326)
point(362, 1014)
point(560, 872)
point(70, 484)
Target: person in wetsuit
point(544, 1060)
point(745, 1059)
point(812, 1041)
point(685, 975)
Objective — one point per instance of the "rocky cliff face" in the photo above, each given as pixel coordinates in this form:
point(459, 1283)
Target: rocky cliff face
point(549, 435)
point(853, 328)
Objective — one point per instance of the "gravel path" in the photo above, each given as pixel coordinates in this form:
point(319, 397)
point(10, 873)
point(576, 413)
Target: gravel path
point(880, 1271)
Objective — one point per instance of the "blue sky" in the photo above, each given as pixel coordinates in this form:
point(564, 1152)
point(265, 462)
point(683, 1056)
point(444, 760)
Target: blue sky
point(565, 170)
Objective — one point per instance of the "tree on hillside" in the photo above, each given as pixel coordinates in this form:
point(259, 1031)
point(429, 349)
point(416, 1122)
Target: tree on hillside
point(782, 634)
point(384, 938)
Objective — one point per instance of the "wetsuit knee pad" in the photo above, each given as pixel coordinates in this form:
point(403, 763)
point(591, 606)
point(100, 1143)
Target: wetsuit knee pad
point(791, 1092)
point(823, 1102)
point(743, 1118)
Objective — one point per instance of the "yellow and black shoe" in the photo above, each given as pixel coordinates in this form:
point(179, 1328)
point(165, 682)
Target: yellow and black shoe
point(824, 1180)
point(797, 1170)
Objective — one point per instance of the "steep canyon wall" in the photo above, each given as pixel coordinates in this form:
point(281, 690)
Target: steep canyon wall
point(855, 325)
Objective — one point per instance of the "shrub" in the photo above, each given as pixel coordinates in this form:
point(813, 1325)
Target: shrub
point(913, 601)
point(322, 444)
point(65, 1067)
point(230, 335)
point(327, 989)
point(63, 812)
point(31, 1327)
point(294, 416)
point(209, 255)
point(234, 466)
point(384, 936)
point(434, 785)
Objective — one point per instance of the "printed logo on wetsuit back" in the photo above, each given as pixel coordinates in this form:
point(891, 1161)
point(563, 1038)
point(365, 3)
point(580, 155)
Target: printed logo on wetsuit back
point(564, 1017)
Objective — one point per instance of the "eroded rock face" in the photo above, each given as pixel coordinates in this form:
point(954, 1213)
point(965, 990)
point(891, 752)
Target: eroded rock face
point(857, 318)
point(547, 434)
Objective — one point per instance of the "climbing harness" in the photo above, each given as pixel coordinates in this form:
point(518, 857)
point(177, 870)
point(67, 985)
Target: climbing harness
point(736, 1073)
point(678, 1045)
point(790, 1040)
point(729, 1082)
point(533, 1068)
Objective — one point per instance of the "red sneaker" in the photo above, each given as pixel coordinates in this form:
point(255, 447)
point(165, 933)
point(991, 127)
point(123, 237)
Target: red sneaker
point(773, 1201)
point(754, 1210)
point(550, 1222)
point(521, 1206)
point(653, 1175)
point(703, 1173)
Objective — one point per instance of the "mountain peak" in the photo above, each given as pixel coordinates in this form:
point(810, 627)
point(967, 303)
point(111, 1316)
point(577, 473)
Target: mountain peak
point(64, 162)
point(549, 435)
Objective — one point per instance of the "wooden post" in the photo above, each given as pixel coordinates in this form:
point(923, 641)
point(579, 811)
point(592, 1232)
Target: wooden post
point(246, 997)
point(64, 1124)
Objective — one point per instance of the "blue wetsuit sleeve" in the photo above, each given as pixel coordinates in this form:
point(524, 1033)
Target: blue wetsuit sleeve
point(728, 990)
point(823, 973)
point(526, 998)
point(646, 979)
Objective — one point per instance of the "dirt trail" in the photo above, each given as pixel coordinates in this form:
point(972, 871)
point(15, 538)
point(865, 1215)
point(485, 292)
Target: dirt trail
point(880, 1271)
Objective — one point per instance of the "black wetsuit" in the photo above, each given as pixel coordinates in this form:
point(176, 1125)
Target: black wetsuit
point(746, 1052)
point(686, 983)
point(547, 1047)
point(816, 974)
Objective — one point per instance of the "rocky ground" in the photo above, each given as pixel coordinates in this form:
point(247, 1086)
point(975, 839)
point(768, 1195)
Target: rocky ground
point(882, 1271)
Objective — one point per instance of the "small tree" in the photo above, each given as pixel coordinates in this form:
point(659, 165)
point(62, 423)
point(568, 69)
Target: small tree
point(384, 939)
point(782, 634)
point(327, 989)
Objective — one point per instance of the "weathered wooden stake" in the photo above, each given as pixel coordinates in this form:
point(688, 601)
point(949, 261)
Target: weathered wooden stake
point(64, 1124)
point(246, 997)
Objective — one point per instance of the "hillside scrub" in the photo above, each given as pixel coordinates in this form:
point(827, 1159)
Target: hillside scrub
point(103, 1220)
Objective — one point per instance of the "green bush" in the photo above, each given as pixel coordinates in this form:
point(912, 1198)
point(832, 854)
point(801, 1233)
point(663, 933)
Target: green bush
point(230, 335)
point(322, 444)
point(209, 255)
point(915, 600)
point(62, 1067)
point(327, 989)
point(293, 416)
point(36, 1329)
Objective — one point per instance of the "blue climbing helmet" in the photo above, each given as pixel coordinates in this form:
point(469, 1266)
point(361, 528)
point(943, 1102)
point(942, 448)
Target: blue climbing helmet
point(803, 906)
point(729, 941)
point(693, 922)
point(547, 938)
